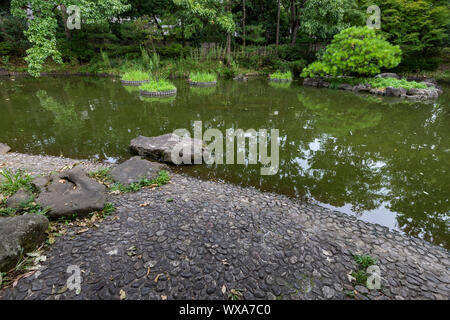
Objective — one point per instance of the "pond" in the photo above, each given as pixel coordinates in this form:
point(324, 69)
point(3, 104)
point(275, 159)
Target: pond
point(384, 160)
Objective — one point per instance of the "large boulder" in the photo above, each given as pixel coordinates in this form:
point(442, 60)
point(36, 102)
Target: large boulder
point(170, 148)
point(241, 77)
point(423, 94)
point(345, 86)
point(362, 88)
point(4, 148)
point(71, 192)
point(134, 169)
point(19, 235)
point(395, 92)
point(388, 75)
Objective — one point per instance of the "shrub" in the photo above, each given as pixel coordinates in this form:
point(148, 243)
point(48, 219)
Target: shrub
point(5, 48)
point(228, 72)
point(203, 77)
point(175, 50)
point(158, 85)
point(135, 75)
point(297, 66)
point(355, 51)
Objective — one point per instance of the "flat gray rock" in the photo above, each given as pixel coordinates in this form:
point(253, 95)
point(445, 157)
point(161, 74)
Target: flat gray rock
point(162, 147)
point(4, 148)
point(71, 192)
point(17, 199)
point(134, 169)
point(20, 233)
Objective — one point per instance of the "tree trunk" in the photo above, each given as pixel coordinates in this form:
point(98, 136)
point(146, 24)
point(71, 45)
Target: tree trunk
point(229, 38)
point(243, 22)
point(183, 38)
point(278, 24)
point(294, 33)
point(229, 48)
point(64, 19)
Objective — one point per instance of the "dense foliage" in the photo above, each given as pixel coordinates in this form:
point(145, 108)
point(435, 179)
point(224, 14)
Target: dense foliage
point(358, 51)
point(419, 27)
point(264, 35)
point(281, 75)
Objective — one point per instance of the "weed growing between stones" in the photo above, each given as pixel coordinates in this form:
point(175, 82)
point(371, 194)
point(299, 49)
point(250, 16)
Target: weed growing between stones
point(360, 276)
point(162, 179)
point(11, 182)
point(29, 206)
point(364, 261)
point(104, 177)
point(235, 294)
point(25, 267)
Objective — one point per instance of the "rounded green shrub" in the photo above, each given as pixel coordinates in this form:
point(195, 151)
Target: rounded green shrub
point(355, 51)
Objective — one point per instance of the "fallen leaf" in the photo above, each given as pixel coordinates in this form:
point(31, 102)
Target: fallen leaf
point(164, 297)
point(64, 289)
point(123, 295)
point(157, 277)
point(148, 271)
point(146, 204)
point(83, 230)
point(224, 289)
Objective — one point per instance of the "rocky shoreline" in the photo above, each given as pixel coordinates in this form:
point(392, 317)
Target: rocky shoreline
point(195, 239)
point(431, 92)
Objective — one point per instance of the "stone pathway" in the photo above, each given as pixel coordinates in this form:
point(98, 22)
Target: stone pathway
point(194, 239)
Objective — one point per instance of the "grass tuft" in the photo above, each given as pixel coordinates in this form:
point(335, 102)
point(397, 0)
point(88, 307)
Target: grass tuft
point(162, 179)
point(203, 77)
point(11, 182)
point(281, 75)
point(157, 86)
point(135, 75)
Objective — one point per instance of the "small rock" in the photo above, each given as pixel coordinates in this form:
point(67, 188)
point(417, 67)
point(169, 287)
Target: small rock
point(4, 148)
point(134, 169)
point(328, 292)
point(19, 233)
point(345, 86)
point(388, 75)
point(361, 289)
point(20, 197)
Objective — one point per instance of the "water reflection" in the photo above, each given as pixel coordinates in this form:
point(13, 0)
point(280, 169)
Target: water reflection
point(385, 160)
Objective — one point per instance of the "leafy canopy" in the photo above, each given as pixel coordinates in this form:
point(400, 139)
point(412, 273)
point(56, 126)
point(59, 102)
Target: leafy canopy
point(42, 28)
point(355, 51)
point(213, 11)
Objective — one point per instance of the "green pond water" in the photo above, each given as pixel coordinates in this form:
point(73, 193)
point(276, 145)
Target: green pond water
point(383, 160)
